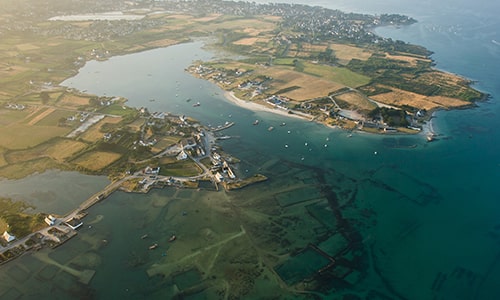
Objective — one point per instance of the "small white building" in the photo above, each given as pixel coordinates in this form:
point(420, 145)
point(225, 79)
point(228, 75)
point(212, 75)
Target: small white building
point(74, 223)
point(218, 177)
point(50, 220)
point(8, 237)
point(182, 155)
point(150, 170)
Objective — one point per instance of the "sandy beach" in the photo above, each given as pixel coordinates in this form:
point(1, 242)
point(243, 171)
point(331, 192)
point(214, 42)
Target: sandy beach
point(250, 105)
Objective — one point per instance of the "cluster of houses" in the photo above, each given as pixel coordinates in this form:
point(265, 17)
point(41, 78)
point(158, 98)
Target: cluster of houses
point(314, 23)
point(151, 170)
point(99, 53)
point(192, 146)
point(147, 143)
point(50, 220)
point(221, 75)
point(278, 101)
point(220, 168)
point(83, 117)
point(15, 106)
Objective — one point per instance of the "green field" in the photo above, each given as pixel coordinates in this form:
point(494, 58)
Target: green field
point(119, 109)
point(19, 136)
point(284, 61)
point(336, 74)
point(59, 149)
point(182, 168)
point(53, 118)
point(8, 116)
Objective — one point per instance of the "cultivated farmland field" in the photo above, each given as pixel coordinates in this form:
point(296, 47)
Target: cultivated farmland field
point(64, 149)
point(357, 101)
point(8, 116)
point(180, 168)
point(249, 41)
point(53, 118)
point(345, 53)
point(400, 97)
point(71, 100)
point(20, 136)
point(96, 161)
point(309, 86)
point(58, 149)
point(336, 74)
point(41, 116)
point(136, 125)
point(241, 23)
point(164, 143)
point(94, 133)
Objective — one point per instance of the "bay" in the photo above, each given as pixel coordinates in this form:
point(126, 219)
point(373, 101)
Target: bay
point(422, 222)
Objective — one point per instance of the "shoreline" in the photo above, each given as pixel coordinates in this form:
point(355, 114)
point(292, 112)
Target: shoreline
point(251, 105)
point(427, 128)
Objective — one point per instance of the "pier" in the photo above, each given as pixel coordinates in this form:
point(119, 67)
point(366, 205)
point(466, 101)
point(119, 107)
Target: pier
point(222, 127)
point(101, 195)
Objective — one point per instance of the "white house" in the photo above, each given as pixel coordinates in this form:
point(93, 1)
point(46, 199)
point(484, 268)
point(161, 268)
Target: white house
point(219, 177)
point(182, 155)
point(8, 237)
point(50, 220)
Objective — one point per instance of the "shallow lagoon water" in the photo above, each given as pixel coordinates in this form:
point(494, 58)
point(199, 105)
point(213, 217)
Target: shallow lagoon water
point(50, 192)
point(414, 223)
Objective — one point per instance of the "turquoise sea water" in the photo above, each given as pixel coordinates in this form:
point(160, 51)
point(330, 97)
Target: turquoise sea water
point(402, 223)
